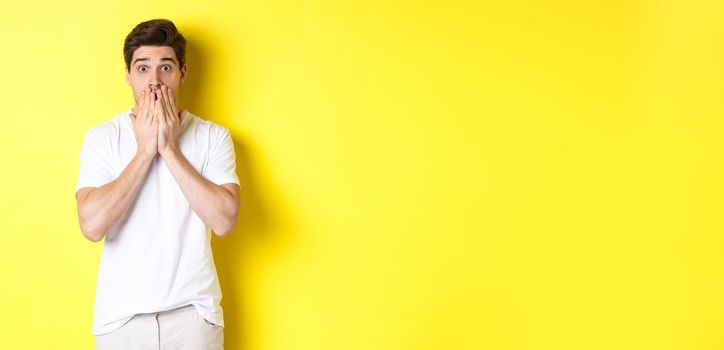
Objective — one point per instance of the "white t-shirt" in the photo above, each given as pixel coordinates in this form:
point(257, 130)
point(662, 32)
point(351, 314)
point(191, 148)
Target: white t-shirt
point(158, 256)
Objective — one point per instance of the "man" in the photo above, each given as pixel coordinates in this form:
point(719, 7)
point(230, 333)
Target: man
point(154, 181)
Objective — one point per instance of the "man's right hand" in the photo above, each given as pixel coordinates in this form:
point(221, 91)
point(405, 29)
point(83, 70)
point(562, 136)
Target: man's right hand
point(145, 124)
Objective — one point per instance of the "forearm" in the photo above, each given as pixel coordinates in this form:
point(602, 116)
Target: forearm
point(214, 204)
point(104, 206)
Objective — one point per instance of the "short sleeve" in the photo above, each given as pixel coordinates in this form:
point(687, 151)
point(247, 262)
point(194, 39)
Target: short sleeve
point(95, 167)
point(221, 166)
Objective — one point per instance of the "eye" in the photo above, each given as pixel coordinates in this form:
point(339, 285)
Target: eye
point(164, 68)
point(142, 69)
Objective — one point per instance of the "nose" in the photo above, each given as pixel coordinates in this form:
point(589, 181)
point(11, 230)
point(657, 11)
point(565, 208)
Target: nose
point(154, 82)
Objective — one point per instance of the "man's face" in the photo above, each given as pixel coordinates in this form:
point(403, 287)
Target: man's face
point(153, 66)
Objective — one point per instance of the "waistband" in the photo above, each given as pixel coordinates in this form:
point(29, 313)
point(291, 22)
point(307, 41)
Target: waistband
point(178, 309)
point(167, 312)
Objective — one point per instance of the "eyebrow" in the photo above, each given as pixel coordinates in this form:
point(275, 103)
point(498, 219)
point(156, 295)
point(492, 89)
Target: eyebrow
point(146, 59)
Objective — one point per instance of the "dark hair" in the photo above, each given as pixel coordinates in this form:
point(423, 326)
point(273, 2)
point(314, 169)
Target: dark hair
point(156, 32)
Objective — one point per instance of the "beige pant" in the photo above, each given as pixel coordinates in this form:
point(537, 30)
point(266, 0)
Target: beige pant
point(181, 328)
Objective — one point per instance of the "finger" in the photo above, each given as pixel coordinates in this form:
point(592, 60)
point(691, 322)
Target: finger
point(144, 99)
point(161, 103)
point(167, 104)
point(146, 103)
point(159, 112)
point(150, 101)
point(153, 122)
point(140, 110)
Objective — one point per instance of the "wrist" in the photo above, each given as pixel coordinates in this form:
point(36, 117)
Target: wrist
point(145, 156)
point(169, 151)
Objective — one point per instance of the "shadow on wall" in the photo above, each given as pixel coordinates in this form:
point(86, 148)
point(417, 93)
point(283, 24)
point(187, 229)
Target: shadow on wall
point(254, 229)
point(192, 95)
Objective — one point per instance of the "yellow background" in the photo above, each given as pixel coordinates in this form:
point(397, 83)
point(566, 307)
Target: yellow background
point(415, 174)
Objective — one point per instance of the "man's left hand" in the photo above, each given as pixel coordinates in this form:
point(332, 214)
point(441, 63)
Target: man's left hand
point(169, 123)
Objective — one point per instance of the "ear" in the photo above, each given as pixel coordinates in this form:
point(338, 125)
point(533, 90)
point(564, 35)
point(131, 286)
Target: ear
point(128, 75)
point(184, 71)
